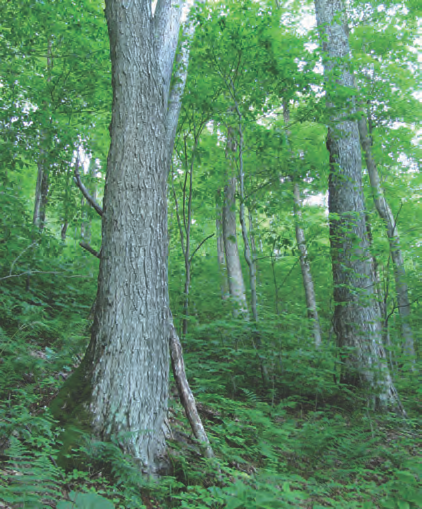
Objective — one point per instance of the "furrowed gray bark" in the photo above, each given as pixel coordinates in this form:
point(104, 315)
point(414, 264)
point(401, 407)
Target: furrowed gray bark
point(131, 323)
point(357, 320)
point(234, 268)
point(308, 282)
point(121, 387)
point(384, 211)
point(224, 285)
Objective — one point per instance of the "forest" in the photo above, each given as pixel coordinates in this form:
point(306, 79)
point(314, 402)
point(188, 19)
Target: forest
point(210, 254)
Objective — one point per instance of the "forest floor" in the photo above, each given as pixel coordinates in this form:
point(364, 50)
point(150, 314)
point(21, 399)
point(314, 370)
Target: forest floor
point(284, 447)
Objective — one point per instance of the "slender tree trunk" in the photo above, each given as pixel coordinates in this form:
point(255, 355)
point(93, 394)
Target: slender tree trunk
point(224, 285)
point(387, 216)
point(188, 224)
point(357, 320)
point(253, 242)
point(41, 189)
point(121, 387)
point(308, 282)
point(273, 260)
point(234, 268)
point(242, 217)
point(381, 299)
point(41, 194)
point(248, 255)
point(63, 231)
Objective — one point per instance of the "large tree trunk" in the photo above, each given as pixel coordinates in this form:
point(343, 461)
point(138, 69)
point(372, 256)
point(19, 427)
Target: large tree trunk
point(308, 282)
point(130, 361)
point(224, 285)
point(122, 384)
point(387, 216)
point(357, 321)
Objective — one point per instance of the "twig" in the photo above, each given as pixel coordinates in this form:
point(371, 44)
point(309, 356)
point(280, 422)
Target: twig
point(30, 272)
point(203, 242)
point(288, 274)
point(398, 307)
point(16, 259)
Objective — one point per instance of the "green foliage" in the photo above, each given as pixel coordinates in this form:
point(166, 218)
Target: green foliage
point(86, 501)
point(300, 439)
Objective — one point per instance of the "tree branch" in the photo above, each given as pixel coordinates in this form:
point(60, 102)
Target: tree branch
point(85, 191)
point(199, 246)
point(30, 272)
point(178, 88)
point(185, 393)
point(88, 248)
point(167, 18)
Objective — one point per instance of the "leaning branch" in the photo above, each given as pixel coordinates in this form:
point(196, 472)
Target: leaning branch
point(185, 393)
point(200, 245)
point(85, 191)
point(88, 248)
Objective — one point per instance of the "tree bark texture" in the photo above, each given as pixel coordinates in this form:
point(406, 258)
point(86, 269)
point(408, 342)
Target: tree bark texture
point(387, 216)
point(234, 268)
point(357, 320)
point(127, 363)
point(131, 324)
point(224, 284)
point(121, 386)
point(308, 282)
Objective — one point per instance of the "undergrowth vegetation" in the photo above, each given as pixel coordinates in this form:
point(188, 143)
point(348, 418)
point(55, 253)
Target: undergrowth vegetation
point(302, 440)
